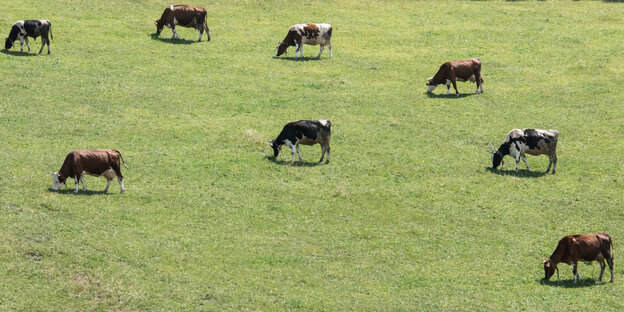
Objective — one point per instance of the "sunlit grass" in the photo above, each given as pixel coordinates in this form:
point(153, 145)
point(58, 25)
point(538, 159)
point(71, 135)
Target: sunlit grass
point(407, 216)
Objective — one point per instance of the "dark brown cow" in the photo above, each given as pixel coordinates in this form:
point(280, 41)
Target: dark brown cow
point(451, 71)
point(185, 16)
point(587, 247)
point(311, 34)
point(92, 162)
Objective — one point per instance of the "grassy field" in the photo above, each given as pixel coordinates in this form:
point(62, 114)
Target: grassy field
point(407, 216)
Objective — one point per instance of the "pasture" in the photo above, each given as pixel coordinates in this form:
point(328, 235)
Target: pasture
point(407, 216)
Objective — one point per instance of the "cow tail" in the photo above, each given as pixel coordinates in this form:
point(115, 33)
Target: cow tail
point(611, 241)
point(50, 26)
point(122, 160)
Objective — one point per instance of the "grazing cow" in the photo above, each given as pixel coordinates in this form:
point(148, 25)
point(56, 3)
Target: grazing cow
point(31, 28)
point(588, 247)
point(528, 141)
point(307, 132)
point(92, 162)
point(311, 34)
point(451, 71)
point(185, 16)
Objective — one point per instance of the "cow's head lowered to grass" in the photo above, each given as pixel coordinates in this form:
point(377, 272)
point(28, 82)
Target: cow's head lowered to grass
point(430, 85)
point(276, 148)
point(57, 181)
point(497, 158)
point(549, 269)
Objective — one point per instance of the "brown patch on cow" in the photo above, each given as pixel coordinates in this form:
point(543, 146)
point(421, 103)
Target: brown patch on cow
point(311, 31)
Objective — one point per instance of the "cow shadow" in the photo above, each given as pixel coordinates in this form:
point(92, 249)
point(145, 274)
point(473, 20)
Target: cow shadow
point(432, 95)
point(80, 192)
point(295, 164)
point(583, 282)
point(522, 173)
point(17, 53)
point(155, 36)
point(297, 59)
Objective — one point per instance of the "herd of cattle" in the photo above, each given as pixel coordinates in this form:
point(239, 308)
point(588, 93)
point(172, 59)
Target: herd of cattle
point(518, 142)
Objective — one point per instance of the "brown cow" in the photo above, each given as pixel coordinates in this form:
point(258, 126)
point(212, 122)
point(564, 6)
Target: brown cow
point(185, 16)
point(587, 247)
point(451, 71)
point(92, 162)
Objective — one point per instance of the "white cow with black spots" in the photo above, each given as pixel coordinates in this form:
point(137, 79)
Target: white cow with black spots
point(528, 141)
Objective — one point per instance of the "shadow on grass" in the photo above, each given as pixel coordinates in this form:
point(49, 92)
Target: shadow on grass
point(522, 173)
point(295, 164)
point(155, 36)
point(80, 192)
point(450, 96)
point(584, 282)
point(297, 59)
point(17, 53)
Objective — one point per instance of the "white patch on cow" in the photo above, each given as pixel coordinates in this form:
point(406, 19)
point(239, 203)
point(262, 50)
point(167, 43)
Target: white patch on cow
point(108, 182)
point(171, 7)
point(323, 122)
point(175, 21)
point(431, 87)
point(109, 174)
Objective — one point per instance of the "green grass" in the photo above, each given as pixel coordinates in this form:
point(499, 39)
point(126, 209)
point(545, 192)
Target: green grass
point(407, 216)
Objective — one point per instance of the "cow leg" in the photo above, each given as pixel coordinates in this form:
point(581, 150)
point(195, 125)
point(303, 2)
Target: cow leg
point(455, 87)
point(477, 80)
point(610, 263)
point(575, 271)
point(293, 149)
point(76, 179)
point(448, 88)
point(297, 49)
point(299, 152)
point(549, 164)
point(121, 184)
point(517, 161)
point(117, 170)
point(108, 182)
point(525, 162)
point(553, 158)
point(43, 43)
point(201, 32)
point(322, 154)
point(22, 44)
point(602, 268)
point(84, 188)
point(321, 51)
point(175, 33)
point(27, 44)
point(48, 42)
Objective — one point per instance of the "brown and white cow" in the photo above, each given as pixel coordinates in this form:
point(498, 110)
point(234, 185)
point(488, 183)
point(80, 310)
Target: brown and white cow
point(92, 162)
point(452, 71)
point(528, 141)
point(30, 28)
point(311, 34)
point(306, 132)
point(587, 247)
point(185, 16)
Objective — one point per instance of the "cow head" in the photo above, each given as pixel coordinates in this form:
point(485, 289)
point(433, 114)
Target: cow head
point(8, 43)
point(497, 158)
point(276, 148)
point(430, 85)
point(57, 181)
point(159, 26)
point(281, 48)
point(549, 269)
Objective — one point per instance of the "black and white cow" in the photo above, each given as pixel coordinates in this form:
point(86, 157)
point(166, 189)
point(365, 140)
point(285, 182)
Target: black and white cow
point(306, 132)
point(528, 141)
point(30, 28)
point(311, 34)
